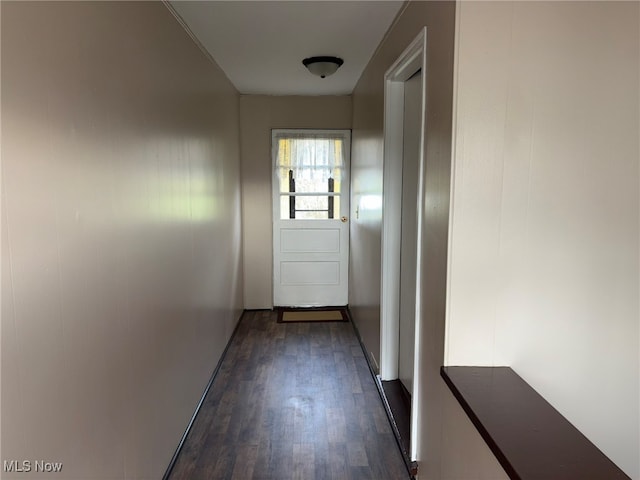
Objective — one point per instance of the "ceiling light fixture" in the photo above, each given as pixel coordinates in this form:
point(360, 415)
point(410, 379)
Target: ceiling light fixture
point(322, 66)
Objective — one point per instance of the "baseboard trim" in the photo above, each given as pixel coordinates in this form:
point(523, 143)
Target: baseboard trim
point(174, 458)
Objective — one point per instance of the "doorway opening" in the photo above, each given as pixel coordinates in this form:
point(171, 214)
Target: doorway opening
point(402, 231)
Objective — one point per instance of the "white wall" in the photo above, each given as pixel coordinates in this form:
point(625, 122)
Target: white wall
point(121, 278)
point(544, 247)
point(259, 114)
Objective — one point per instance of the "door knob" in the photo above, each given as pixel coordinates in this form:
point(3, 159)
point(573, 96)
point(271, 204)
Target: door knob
point(343, 219)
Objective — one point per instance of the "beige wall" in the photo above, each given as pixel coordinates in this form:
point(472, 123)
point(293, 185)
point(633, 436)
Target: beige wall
point(120, 234)
point(544, 253)
point(455, 449)
point(259, 114)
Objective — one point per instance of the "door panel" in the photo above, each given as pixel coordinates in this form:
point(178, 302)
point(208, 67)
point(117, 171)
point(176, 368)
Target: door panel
point(409, 229)
point(310, 217)
point(310, 273)
point(310, 240)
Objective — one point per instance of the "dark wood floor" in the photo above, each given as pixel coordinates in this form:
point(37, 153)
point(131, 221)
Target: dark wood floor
point(291, 401)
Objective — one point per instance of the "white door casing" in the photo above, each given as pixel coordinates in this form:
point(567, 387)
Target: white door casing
point(311, 256)
point(408, 63)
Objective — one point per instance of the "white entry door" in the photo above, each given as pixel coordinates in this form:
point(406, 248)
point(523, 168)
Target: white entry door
point(310, 217)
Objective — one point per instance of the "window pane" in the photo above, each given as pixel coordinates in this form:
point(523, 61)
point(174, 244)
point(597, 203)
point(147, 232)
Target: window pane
point(309, 207)
point(313, 203)
point(310, 161)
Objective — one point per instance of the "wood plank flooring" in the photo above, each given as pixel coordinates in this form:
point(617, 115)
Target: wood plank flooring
point(291, 401)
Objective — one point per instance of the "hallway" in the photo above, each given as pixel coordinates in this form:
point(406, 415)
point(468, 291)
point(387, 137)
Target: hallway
point(291, 401)
point(137, 197)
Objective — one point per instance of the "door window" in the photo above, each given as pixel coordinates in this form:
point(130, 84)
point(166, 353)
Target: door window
point(309, 170)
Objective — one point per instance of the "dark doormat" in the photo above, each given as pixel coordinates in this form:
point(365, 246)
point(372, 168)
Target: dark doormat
point(316, 314)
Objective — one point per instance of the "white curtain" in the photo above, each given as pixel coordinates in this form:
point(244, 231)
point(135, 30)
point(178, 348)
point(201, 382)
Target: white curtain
point(312, 157)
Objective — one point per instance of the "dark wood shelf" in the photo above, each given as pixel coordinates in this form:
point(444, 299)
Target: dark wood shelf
point(530, 438)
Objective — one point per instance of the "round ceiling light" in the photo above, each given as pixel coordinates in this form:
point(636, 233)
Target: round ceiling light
point(322, 66)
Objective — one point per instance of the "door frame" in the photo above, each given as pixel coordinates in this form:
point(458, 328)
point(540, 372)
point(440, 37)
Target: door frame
point(345, 199)
point(413, 58)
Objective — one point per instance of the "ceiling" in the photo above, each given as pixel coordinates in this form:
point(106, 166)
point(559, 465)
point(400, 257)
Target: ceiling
point(260, 45)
